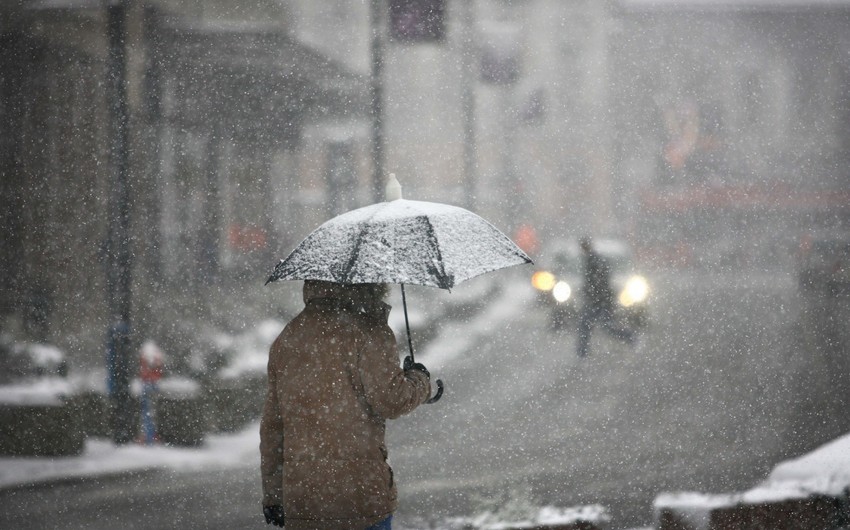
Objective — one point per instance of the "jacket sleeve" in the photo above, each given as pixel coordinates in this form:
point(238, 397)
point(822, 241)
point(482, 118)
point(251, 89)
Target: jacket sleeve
point(389, 391)
point(271, 441)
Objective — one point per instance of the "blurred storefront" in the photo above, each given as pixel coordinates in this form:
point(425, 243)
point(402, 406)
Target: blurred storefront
point(217, 108)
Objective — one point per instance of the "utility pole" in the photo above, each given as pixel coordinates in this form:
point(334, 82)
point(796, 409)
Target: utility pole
point(377, 93)
point(468, 66)
point(118, 241)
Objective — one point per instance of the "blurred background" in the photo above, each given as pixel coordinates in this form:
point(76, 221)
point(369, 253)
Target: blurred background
point(711, 134)
point(157, 157)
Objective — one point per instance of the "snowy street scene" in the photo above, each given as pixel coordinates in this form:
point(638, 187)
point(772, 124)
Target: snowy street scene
point(425, 264)
point(627, 428)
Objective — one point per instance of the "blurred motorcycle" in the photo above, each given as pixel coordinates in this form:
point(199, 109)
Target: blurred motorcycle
point(558, 283)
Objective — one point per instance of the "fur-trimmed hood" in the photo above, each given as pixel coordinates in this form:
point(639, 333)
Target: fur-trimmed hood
point(362, 298)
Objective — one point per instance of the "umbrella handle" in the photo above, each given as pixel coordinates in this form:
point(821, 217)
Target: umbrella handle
point(436, 397)
point(439, 393)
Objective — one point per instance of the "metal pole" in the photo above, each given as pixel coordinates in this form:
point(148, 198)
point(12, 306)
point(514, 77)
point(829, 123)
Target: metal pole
point(208, 258)
point(118, 251)
point(468, 76)
point(377, 88)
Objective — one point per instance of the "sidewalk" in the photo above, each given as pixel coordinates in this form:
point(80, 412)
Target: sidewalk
point(824, 472)
point(103, 458)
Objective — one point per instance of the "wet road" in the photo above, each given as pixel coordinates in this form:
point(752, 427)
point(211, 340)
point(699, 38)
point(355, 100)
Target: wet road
point(733, 375)
point(153, 500)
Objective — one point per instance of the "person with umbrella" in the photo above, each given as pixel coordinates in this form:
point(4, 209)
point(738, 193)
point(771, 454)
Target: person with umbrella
point(333, 381)
point(333, 372)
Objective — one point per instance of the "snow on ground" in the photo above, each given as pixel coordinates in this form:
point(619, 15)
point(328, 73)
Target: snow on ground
point(249, 351)
point(825, 470)
point(101, 457)
point(545, 516)
point(458, 337)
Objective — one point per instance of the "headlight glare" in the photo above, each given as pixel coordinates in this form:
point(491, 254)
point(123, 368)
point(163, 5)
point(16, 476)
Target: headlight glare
point(562, 292)
point(543, 280)
point(635, 291)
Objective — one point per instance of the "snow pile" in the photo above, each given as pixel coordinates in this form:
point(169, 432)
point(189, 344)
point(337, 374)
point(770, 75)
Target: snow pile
point(177, 387)
point(247, 353)
point(172, 387)
point(516, 508)
point(458, 337)
point(824, 471)
point(694, 508)
point(21, 359)
point(32, 374)
point(46, 356)
point(545, 516)
point(40, 391)
point(101, 457)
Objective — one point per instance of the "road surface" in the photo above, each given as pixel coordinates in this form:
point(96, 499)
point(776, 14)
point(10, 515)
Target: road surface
point(733, 375)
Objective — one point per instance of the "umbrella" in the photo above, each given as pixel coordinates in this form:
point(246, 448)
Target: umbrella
point(401, 241)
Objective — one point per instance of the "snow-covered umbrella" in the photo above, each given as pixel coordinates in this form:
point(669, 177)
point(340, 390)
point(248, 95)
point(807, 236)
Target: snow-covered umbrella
point(401, 241)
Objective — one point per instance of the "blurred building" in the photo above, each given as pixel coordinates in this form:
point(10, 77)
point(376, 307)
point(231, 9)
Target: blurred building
point(217, 100)
point(733, 133)
point(686, 125)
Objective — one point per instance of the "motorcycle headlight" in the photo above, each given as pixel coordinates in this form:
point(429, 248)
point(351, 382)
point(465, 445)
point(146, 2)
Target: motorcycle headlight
point(561, 292)
point(543, 280)
point(635, 291)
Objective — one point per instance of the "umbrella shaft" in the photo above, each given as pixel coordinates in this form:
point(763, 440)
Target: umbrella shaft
point(406, 323)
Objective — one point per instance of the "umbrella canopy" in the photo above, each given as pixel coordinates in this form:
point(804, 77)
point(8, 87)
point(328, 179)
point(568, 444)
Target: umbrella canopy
point(401, 241)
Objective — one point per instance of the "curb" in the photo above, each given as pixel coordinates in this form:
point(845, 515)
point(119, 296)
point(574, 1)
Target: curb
point(49, 482)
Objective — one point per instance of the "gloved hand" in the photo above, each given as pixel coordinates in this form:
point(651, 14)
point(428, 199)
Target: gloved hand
point(274, 515)
point(410, 365)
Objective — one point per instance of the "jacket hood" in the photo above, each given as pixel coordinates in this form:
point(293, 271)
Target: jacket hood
point(363, 298)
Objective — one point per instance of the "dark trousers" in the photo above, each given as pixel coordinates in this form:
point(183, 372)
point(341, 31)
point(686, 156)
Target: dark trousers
point(604, 316)
point(386, 524)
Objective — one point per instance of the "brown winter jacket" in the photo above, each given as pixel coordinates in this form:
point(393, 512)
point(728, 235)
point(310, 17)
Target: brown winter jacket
point(334, 378)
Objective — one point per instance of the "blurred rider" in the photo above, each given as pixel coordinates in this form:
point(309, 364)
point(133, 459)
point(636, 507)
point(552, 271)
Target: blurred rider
point(598, 304)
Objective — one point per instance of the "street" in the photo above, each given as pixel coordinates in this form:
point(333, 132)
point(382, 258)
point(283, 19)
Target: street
point(733, 375)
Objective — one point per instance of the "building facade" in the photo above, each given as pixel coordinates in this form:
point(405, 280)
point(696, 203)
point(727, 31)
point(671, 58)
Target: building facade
point(213, 108)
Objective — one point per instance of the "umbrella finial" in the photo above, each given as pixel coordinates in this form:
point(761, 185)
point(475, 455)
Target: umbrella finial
point(393, 190)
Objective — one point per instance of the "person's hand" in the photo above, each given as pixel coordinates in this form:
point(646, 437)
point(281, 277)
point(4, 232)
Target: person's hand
point(410, 365)
point(274, 515)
